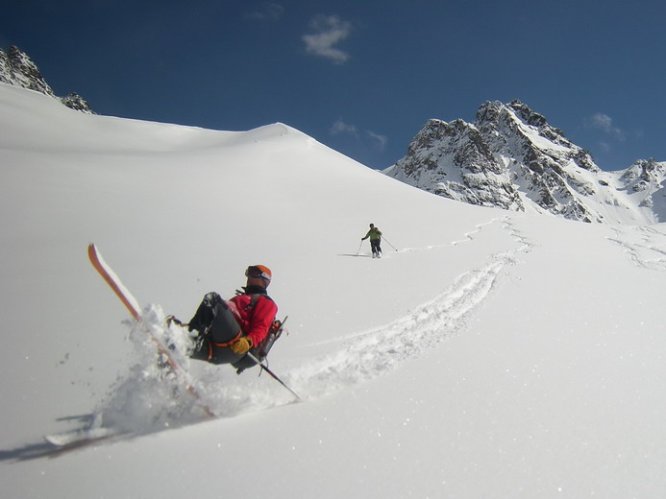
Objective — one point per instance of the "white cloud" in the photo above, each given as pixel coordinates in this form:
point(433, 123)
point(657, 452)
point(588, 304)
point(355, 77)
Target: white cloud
point(267, 11)
point(603, 122)
point(380, 141)
point(328, 31)
point(375, 140)
point(340, 127)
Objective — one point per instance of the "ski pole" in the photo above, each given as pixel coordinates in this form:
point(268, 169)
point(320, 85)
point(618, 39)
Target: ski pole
point(359, 247)
point(274, 376)
point(389, 243)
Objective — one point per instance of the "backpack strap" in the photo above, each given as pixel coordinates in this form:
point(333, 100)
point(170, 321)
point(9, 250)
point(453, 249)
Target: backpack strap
point(253, 301)
point(254, 298)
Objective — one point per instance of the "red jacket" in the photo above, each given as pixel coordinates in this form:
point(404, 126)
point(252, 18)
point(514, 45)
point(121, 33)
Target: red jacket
point(255, 321)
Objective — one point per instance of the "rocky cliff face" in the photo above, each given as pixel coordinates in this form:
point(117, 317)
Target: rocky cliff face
point(455, 161)
point(16, 68)
point(646, 180)
point(512, 158)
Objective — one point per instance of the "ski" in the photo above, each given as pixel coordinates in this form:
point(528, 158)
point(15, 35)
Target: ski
point(95, 432)
point(78, 438)
point(132, 306)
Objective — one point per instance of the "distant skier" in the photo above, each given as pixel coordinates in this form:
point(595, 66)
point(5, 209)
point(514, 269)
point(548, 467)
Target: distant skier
point(227, 330)
point(375, 236)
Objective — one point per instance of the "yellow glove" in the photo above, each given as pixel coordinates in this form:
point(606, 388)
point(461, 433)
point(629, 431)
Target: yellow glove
point(241, 345)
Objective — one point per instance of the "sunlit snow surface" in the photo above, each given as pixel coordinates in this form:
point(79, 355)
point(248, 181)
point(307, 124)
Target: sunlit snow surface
point(486, 354)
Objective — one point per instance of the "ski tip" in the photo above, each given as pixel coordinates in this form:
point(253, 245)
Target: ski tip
point(56, 440)
point(93, 253)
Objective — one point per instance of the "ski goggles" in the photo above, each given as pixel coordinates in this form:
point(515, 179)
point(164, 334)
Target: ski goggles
point(258, 272)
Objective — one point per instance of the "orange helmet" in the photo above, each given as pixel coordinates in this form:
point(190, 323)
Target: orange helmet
point(259, 271)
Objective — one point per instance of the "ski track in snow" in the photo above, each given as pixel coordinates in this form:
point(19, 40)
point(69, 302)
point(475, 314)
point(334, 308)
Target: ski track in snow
point(379, 350)
point(468, 237)
point(644, 245)
point(145, 400)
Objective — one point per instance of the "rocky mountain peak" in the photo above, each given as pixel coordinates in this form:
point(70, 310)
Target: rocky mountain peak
point(511, 157)
point(527, 115)
point(18, 69)
point(644, 174)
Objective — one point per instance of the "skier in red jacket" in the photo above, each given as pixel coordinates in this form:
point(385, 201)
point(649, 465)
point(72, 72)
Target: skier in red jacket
point(227, 330)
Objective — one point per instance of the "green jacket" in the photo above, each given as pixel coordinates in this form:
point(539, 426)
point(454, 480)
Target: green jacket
point(373, 234)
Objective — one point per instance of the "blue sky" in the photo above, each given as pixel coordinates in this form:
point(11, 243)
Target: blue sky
point(360, 76)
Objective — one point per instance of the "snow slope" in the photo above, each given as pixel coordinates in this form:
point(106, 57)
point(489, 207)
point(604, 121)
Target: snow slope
point(488, 354)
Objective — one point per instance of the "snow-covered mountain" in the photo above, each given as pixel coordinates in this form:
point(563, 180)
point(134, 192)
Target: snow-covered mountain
point(512, 158)
point(16, 68)
point(487, 354)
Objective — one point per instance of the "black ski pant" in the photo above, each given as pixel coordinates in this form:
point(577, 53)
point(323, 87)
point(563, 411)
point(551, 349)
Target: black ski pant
point(217, 328)
point(375, 245)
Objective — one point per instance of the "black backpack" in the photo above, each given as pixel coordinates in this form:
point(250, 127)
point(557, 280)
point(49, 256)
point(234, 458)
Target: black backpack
point(275, 331)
